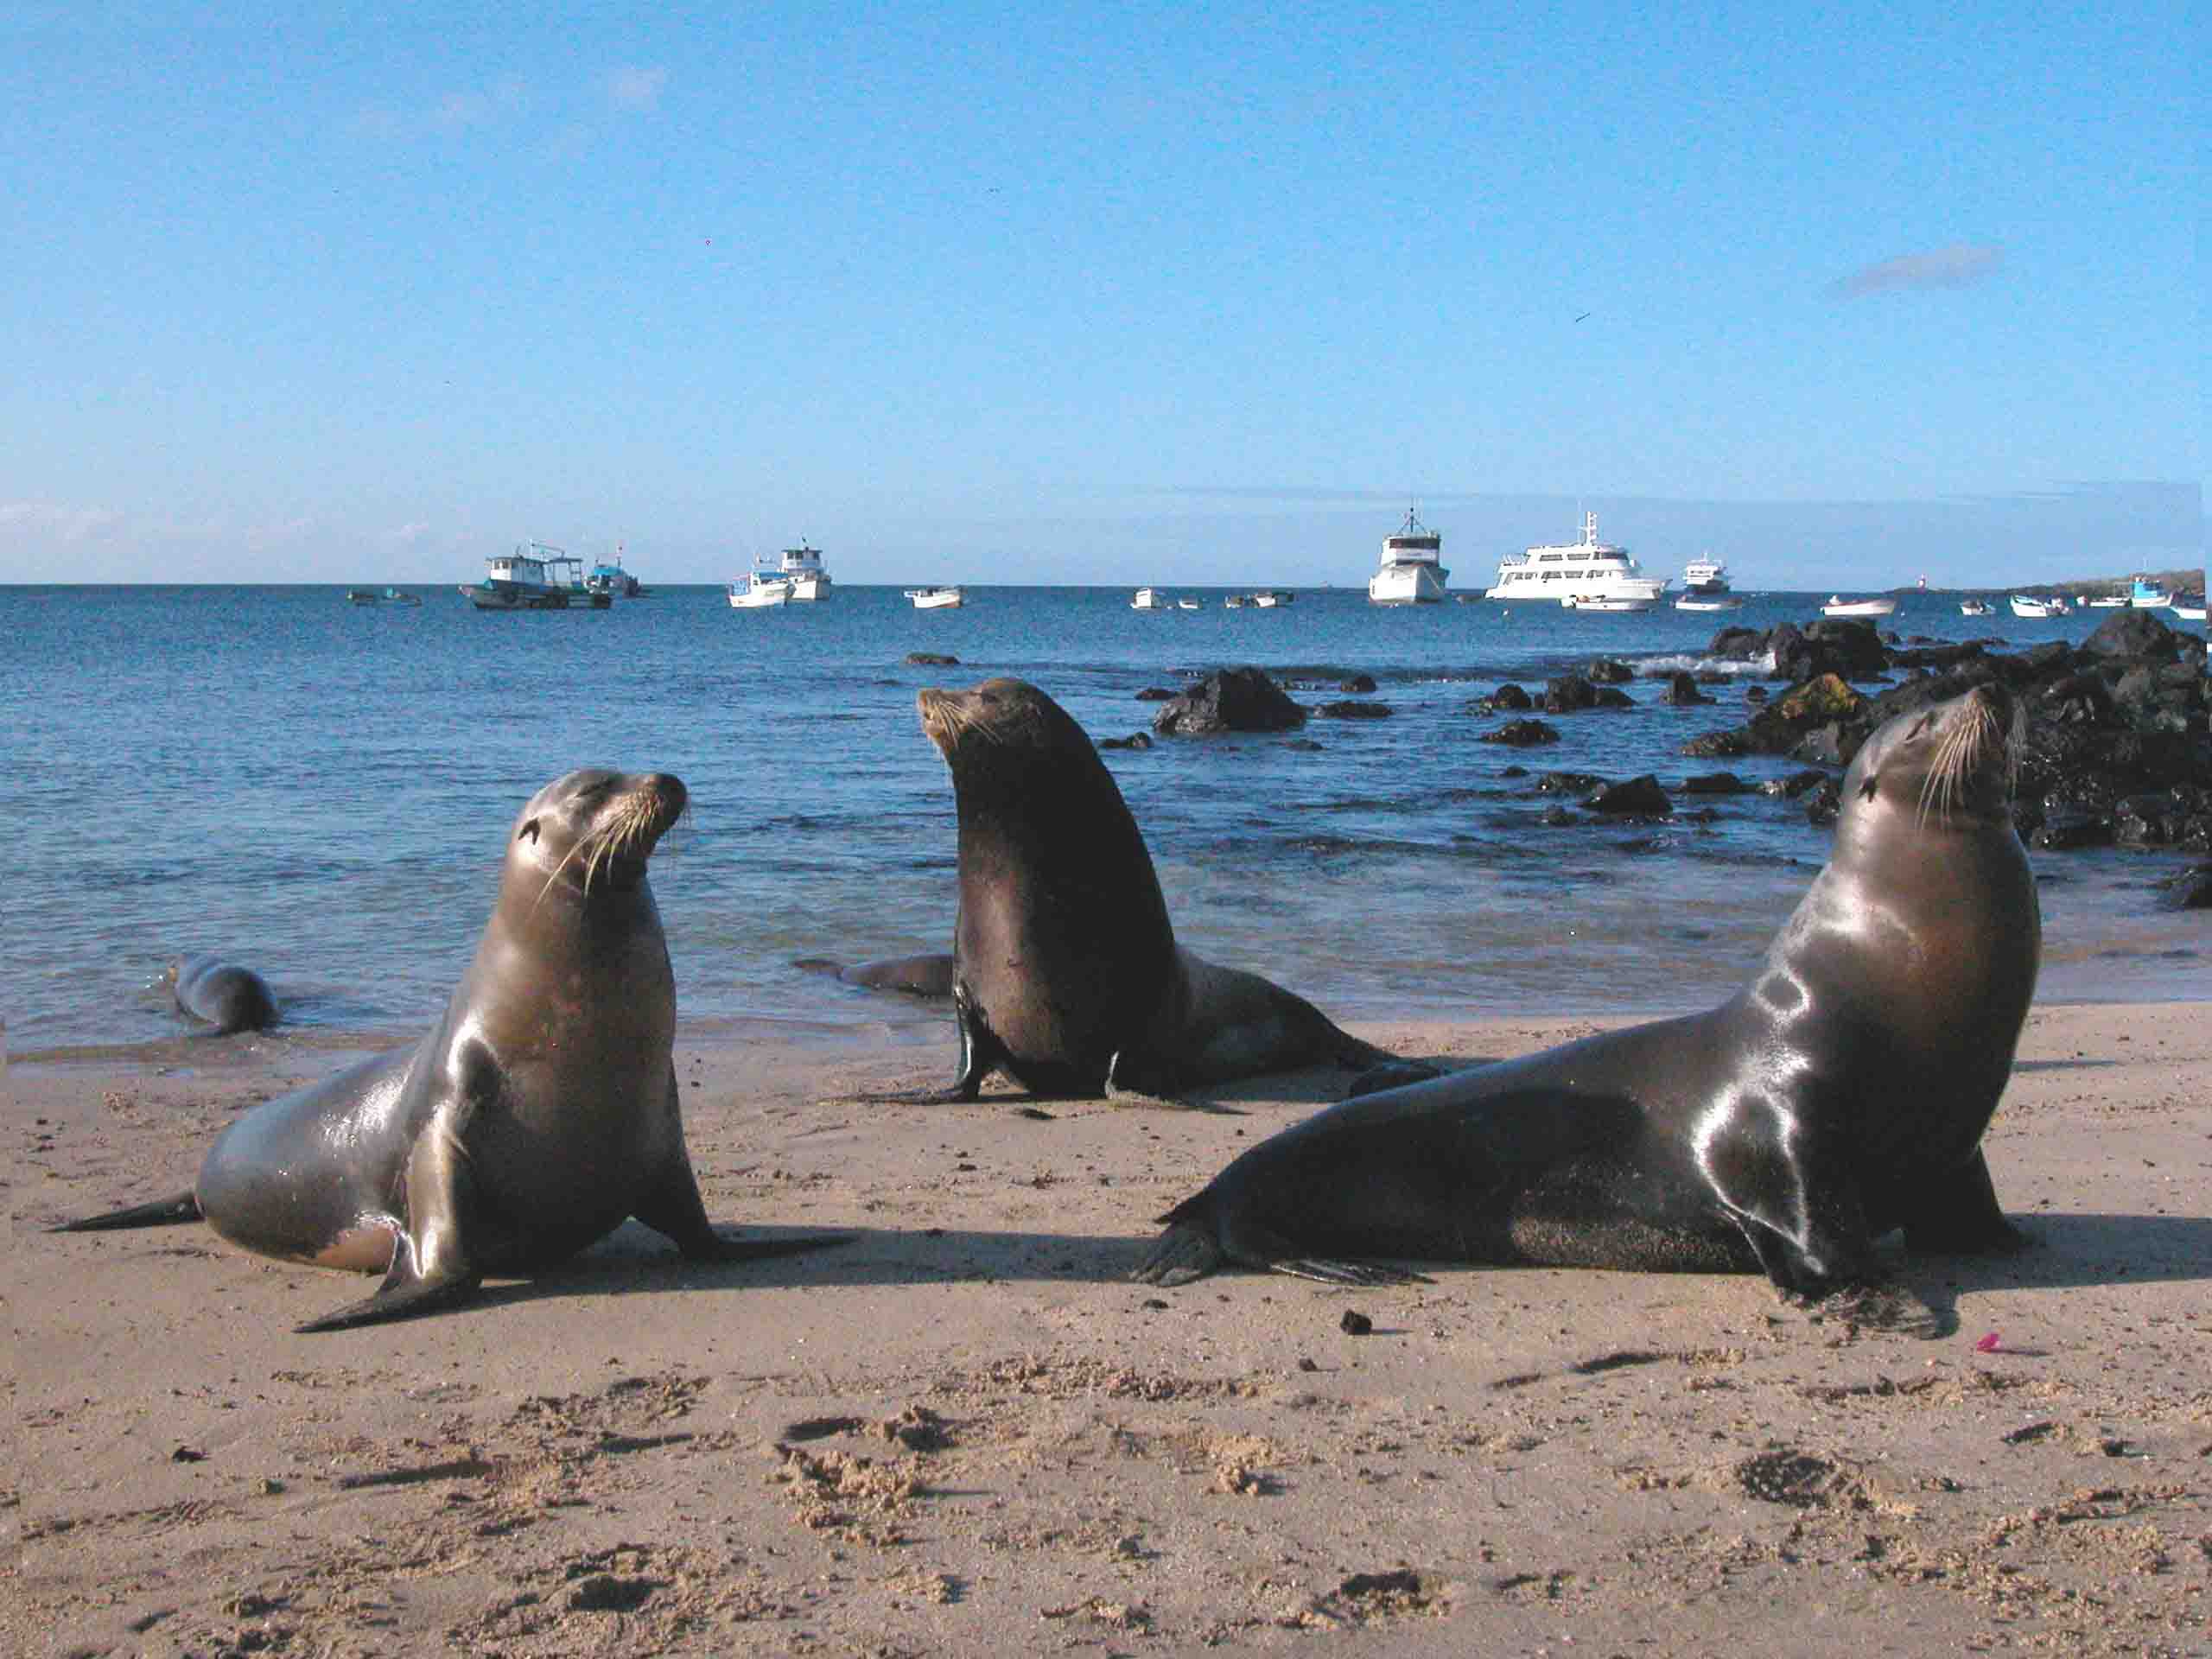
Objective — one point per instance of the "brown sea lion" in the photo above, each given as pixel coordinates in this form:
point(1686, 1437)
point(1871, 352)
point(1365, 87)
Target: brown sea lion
point(1842, 1093)
point(1065, 973)
point(227, 996)
point(539, 1112)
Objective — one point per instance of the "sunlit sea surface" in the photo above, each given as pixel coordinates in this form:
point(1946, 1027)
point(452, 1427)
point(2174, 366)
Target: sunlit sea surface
point(323, 790)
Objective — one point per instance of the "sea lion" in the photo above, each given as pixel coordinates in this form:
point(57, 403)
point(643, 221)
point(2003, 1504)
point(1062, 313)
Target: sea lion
point(228, 997)
point(1842, 1093)
point(1064, 970)
point(539, 1112)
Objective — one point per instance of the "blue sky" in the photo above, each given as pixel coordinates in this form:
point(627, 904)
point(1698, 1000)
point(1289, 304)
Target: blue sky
point(1098, 295)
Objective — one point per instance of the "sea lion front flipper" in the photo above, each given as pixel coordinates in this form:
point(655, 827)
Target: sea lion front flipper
point(980, 1055)
point(401, 1295)
point(672, 1206)
point(161, 1212)
point(1955, 1212)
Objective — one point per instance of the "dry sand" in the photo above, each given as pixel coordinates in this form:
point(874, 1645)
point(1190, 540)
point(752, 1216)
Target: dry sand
point(967, 1433)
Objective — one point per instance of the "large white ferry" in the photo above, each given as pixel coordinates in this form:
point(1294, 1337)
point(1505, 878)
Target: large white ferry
point(802, 568)
point(1588, 574)
point(1409, 572)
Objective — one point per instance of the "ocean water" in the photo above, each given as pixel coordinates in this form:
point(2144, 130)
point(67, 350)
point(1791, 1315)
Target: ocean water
point(323, 792)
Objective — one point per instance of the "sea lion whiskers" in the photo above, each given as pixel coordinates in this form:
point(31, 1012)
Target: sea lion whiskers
point(1958, 756)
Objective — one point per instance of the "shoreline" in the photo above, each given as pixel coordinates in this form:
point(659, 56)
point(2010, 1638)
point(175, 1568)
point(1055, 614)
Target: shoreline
point(966, 1430)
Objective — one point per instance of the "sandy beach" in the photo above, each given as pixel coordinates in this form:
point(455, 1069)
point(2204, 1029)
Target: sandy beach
point(967, 1432)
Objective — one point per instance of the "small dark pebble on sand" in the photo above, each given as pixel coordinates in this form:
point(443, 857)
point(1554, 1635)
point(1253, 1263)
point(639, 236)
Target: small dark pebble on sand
point(1355, 1325)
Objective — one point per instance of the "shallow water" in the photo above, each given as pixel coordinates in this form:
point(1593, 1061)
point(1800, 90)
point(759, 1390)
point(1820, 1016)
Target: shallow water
point(322, 791)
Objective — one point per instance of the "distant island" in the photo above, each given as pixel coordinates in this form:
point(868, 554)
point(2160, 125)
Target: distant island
point(2189, 580)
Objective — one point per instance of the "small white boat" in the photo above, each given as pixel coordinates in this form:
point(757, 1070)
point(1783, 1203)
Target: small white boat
point(761, 588)
point(802, 568)
point(1187, 604)
point(2029, 605)
point(935, 599)
point(1710, 602)
point(2107, 602)
point(1235, 602)
point(1838, 605)
point(1704, 578)
point(1976, 607)
point(1608, 602)
point(1150, 599)
point(1409, 571)
point(1267, 599)
point(2189, 608)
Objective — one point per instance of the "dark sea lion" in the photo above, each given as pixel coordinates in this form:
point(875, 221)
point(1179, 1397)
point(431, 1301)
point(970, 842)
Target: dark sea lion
point(1840, 1094)
point(928, 975)
point(1064, 970)
point(537, 1114)
point(228, 997)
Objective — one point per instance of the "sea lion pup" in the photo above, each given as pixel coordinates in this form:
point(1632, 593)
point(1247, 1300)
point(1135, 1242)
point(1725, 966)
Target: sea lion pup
point(1065, 973)
point(539, 1112)
point(228, 997)
point(1843, 1092)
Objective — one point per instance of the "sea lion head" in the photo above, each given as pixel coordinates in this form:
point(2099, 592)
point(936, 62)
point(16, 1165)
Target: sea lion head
point(999, 714)
point(592, 830)
point(1949, 767)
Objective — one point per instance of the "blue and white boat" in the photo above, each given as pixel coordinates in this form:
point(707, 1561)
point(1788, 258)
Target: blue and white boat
point(2145, 595)
point(534, 577)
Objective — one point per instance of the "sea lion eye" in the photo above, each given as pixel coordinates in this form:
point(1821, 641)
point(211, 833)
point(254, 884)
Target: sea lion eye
point(1871, 787)
point(528, 831)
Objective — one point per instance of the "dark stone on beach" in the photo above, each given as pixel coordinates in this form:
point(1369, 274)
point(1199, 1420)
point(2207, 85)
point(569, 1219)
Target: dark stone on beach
point(1577, 784)
point(2068, 828)
point(1719, 746)
point(1738, 645)
point(1795, 783)
point(931, 659)
point(1608, 670)
point(1572, 693)
point(1358, 683)
point(1936, 656)
point(1350, 710)
point(1304, 745)
point(1755, 694)
point(2190, 890)
point(1844, 646)
point(1520, 733)
point(1823, 804)
point(2131, 634)
point(1133, 740)
point(1715, 783)
point(1556, 818)
point(1681, 691)
point(1355, 1324)
point(1508, 698)
point(1231, 700)
point(1512, 771)
point(1638, 797)
point(1158, 694)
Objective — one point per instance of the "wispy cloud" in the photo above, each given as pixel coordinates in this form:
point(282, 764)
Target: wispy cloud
point(55, 521)
point(1960, 265)
point(636, 87)
point(462, 109)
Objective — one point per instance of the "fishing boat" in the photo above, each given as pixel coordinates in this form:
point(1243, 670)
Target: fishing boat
point(760, 588)
point(2107, 601)
point(361, 596)
point(1234, 602)
point(533, 577)
point(1187, 604)
point(936, 598)
point(2145, 595)
point(1710, 602)
point(1267, 598)
point(1150, 599)
point(802, 566)
point(1976, 607)
point(2189, 608)
point(611, 579)
point(2033, 606)
point(1838, 605)
point(1574, 572)
point(1409, 571)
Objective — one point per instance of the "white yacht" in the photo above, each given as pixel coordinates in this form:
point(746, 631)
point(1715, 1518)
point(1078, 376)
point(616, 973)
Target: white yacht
point(2030, 605)
point(935, 599)
point(1705, 586)
point(1150, 599)
point(1409, 572)
point(802, 568)
point(1584, 575)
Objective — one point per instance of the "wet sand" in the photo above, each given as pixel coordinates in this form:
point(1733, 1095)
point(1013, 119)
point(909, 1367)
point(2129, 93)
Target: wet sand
point(967, 1432)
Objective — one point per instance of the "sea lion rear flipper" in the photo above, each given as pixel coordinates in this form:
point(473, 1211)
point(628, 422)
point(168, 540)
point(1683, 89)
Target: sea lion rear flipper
point(161, 1212)
point(1198, 1243)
